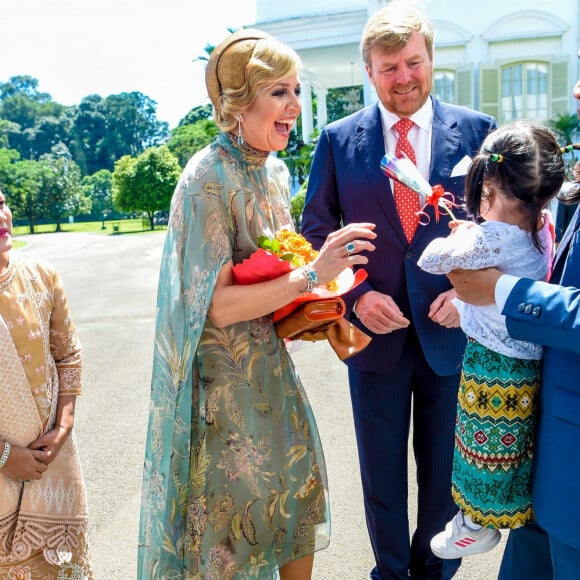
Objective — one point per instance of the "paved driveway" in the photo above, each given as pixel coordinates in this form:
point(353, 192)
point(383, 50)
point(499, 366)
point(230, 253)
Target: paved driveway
point(111, 283)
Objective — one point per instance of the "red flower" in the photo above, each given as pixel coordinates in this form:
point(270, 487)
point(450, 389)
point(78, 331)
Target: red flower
point(261, 266)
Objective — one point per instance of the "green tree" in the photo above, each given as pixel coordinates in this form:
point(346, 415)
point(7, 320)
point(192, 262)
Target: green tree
point(199, 113)
point(5, 128)
point(21, 102)
point(566, 127)
point(28, 111)
point(48, 133)
point(26, 192)
point(186, 140)
point(8, 158)
point(297, 205)
point(132, 126)
point(62, 188)
point(343, 101)
point(298, 157)
point(89, 128)
point(99, 188)
point(146, 183)
point(97, 132)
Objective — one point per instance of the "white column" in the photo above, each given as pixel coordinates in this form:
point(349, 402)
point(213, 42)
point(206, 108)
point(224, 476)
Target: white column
point(307, 114)
point(321, 110)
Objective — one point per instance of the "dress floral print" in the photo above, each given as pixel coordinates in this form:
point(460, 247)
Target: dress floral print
point(235, 482)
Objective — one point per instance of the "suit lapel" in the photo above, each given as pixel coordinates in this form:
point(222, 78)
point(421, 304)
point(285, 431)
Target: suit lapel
point(564, 246)
point(445, 141)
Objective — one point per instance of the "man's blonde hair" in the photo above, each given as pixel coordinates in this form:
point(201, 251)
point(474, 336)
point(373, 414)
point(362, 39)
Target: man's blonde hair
point(389, 29)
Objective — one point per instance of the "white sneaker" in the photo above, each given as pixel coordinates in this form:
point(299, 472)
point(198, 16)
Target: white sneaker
point(458, 540)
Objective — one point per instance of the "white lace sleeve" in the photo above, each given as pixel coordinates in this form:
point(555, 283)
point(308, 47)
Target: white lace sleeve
point(469, 247)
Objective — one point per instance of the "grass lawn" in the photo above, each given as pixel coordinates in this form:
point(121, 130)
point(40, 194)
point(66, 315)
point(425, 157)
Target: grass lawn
point(113, 227)
point(116, 227)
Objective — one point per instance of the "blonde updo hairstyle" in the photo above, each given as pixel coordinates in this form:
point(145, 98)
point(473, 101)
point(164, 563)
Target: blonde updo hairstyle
point(240, 66)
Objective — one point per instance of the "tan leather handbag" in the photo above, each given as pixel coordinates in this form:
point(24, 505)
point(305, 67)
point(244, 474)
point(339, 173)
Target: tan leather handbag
point(324, 320)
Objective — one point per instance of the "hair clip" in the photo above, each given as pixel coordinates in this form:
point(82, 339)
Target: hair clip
point(570, 148)
point(496, 157)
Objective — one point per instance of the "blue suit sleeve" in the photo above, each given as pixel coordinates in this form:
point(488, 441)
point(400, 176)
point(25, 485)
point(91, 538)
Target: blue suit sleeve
point(322, 213)
point(544, 313)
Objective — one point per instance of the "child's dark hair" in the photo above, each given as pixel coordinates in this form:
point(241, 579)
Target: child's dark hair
point(522, 160)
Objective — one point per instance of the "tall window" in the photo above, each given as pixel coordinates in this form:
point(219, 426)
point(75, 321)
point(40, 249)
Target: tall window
point(444, 85)
point(524, 91)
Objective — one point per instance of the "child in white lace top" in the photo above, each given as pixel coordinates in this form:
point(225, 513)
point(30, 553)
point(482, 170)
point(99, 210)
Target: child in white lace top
point(518, 170)
point(499, 244)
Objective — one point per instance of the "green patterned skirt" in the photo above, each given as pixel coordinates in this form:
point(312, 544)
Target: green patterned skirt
point(494, 437)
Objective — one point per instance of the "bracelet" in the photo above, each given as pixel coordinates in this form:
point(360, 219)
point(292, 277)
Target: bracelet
point(5, 454)
point(311, 277)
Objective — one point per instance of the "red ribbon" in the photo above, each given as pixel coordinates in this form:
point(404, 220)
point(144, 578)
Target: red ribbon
point(438, 198)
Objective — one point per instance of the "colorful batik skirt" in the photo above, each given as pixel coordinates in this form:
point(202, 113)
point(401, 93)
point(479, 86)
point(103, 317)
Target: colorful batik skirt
point(494, 437)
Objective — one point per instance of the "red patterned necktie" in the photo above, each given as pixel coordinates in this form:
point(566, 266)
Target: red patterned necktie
point(406, 200)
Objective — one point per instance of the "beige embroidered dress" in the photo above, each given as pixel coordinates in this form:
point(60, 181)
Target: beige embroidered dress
point(43, 523)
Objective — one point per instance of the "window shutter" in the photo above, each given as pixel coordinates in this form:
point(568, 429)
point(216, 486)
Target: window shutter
point(489, 90)
point(559, 88)
point(464, 86)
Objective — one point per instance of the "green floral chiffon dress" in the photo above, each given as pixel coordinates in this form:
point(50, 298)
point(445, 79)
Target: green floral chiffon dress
point(234, 481)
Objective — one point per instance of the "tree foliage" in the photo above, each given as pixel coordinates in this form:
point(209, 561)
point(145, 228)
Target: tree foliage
point(98, 187)
point(343, 101)
point(25, 187)
point(109, 153)
point(146, 183)
point(97, 132)
point(7, 159)
point(298, 157)
point(61, 188)
point(90, 128)
point(567, 127)
point(200, 113)
point(132, 125)
point(186, 140)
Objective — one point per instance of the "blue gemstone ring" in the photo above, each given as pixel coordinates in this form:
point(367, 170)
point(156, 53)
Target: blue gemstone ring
point(350, 247)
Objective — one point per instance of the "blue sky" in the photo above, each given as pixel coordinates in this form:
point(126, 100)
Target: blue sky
point(80, 47)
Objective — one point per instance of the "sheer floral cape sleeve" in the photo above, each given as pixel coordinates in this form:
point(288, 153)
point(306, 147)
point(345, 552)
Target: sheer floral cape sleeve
point(196, 247)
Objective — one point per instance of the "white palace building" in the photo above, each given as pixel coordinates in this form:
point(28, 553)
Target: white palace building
point(516, 59)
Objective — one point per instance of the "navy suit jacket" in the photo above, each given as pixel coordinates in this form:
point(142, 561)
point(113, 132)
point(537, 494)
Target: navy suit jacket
point(347, 185)
point(550, 315)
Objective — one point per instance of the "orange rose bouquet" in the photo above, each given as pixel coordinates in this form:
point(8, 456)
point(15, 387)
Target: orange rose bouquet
point(315, 315)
